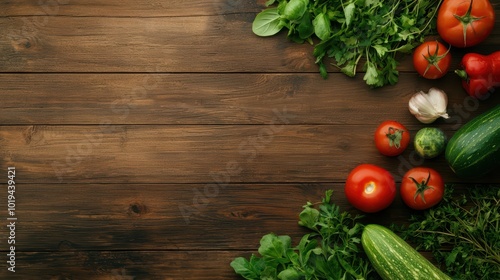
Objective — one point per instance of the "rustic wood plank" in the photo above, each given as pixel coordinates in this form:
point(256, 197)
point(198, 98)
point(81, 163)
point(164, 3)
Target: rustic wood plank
point(127, 8)
point(129, 265)
point(165, 44)
point(125, 265)
point(50, 99)
point(115, 182)
point(172, 44)
point(157, 217)
point(166, 217)
point(193, 154)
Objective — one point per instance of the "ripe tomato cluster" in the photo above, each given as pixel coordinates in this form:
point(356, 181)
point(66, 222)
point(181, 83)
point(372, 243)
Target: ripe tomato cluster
point(460, 24)
point(371, 188)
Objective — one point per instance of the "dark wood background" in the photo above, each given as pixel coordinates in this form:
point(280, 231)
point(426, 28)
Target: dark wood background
point(162, 139)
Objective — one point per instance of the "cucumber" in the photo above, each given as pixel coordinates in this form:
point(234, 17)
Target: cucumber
point(474, 149)
point(394, 259)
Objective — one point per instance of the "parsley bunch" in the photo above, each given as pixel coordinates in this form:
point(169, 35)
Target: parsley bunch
point(351, 31)
point(331, 251)
point(463, 233)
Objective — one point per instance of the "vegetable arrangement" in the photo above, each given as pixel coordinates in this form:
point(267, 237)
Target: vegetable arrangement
point(340, 246)
point(462, 24)
point(331, 251)
point(350, 31)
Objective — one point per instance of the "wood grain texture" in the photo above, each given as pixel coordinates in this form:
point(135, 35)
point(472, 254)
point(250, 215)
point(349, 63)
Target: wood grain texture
point(171, 99)
point(162, 139)
point(82, 231)
point(185, 217)
point(70, 263)
point(198, 154)
point(128, 8)
point(195, 43)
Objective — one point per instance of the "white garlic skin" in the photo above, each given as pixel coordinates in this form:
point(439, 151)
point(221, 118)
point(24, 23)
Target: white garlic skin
point(428, 107)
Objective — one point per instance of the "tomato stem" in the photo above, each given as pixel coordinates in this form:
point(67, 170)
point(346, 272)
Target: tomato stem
point(421, 188)
point(467, 20)
point(395, 135)
point(433, 59)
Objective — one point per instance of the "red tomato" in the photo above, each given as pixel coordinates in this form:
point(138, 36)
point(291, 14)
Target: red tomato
point(370, 188)
point(422, 188)
point(465, 23)
point(431, 60)
point(391, 138)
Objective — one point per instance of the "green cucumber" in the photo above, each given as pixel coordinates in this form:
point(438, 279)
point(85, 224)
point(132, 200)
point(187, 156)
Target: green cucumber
point(474, 149)
point(394, 259)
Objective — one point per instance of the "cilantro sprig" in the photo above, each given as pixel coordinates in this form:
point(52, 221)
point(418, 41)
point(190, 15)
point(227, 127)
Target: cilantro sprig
point(332, 249)
point(351, 32)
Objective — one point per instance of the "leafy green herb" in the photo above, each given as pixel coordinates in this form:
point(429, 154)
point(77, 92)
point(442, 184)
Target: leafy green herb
point(350, 31)
point(462, 233)
point(331, 251)
point(267, 23)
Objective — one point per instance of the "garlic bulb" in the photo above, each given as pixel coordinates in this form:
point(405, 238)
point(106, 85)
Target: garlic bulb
point(427, 107)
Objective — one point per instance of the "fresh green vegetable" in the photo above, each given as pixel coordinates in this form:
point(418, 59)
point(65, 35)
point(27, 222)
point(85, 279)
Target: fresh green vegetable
point(429, 142)
point(350, 31)
point(331, 251)
point(267, 23)
point(462, 232)
point(394, 259)
point(474, 149)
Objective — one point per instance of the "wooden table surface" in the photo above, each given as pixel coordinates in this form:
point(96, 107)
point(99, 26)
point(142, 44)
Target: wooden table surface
point(162, 139)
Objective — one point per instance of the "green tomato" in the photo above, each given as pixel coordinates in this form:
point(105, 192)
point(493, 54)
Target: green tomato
point(429, 142)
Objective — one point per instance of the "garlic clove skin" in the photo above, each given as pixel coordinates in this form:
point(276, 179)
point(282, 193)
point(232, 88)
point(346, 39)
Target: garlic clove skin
point(427, 107)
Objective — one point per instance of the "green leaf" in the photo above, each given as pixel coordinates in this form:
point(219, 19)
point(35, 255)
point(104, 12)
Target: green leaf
point(248, 269)
point(270, 2)
point(295, 9)
point(267, 23)
point(371, 76)
point(349, 13)
point(381, 50)
point(289, 274)
point(274, 248)
point(309, 217)
point(305, 248)
point(305, 27)
point(349, 69)
point(407, 22)
point(322, 27)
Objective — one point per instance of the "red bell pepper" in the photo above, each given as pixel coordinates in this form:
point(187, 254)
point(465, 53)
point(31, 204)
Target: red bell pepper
point(480, 74)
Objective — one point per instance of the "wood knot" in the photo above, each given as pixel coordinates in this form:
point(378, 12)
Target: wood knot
point(241, 214)
point(22, 44)
point(34, 135)
point(137, 209)
point(66, 245)
point(344, 144)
